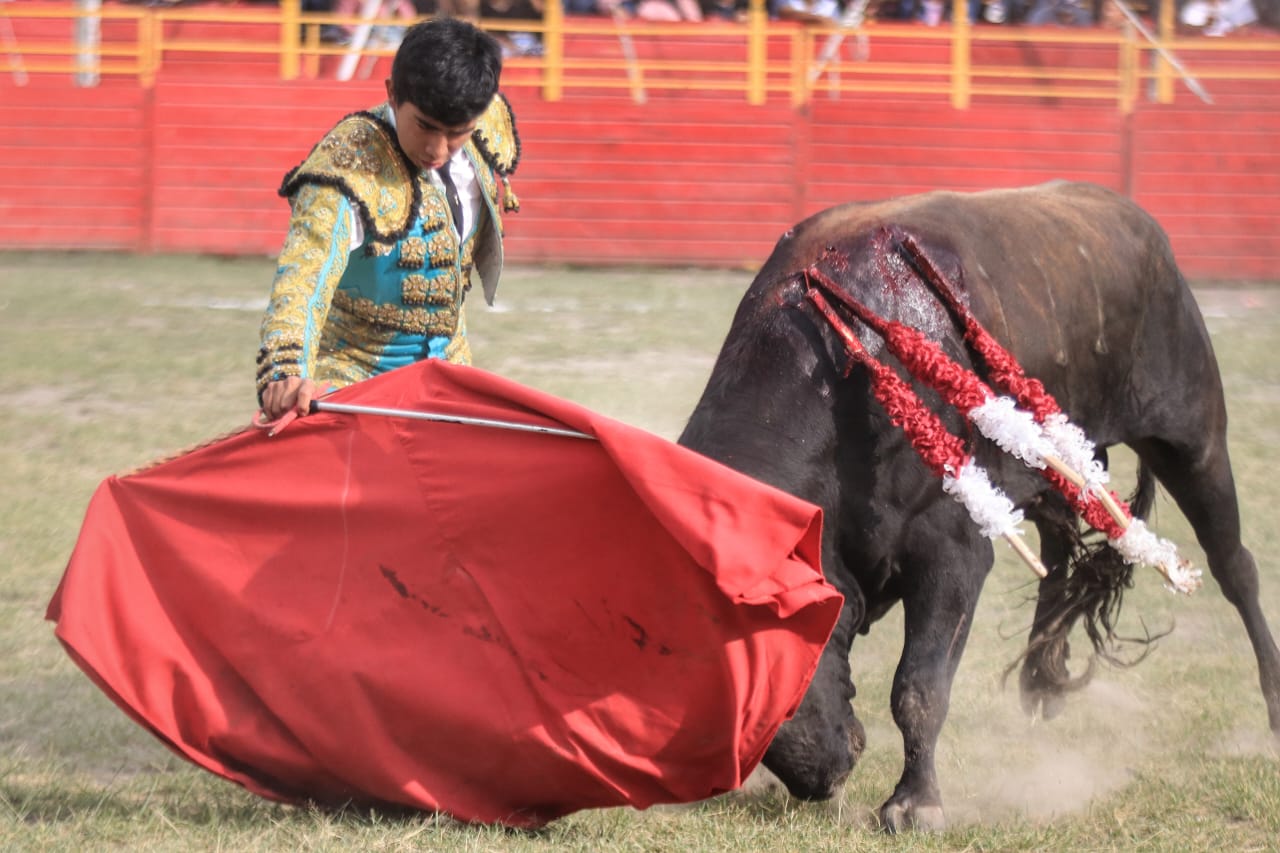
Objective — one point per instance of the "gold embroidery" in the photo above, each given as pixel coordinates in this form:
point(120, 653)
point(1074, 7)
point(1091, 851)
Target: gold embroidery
point(361, 135)
point(510, 201)
point(496, 131)
point(413, 253)
point(421, 321)
point(441, 290)
point(340, 371)
point(351, 150)
point(310, 265)
point(487, 181)
point(434, 210)
point(444, 290)
point(488, 185)
point(443, 322)
point(359, 159)
point(442, 249)
point(458, 350)
point(349, 350)
point(498, 144)
point(287, 339)
point(361, 156)
point(414, 289)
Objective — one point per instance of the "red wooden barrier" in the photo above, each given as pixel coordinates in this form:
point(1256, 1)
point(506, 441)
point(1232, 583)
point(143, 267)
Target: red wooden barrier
point(695, 179)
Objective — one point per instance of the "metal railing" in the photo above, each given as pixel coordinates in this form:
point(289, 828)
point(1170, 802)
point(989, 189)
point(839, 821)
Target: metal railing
point(758, 58)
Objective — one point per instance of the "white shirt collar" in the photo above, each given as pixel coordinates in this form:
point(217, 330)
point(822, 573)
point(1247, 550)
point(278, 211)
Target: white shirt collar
point(464, 179)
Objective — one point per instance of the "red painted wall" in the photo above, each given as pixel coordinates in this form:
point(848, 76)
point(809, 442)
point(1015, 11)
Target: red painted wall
point(192, 165)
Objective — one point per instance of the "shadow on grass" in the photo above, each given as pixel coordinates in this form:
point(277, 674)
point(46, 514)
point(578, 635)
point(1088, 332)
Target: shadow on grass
point(768, 803)
point(52, 796)
point(187, 797)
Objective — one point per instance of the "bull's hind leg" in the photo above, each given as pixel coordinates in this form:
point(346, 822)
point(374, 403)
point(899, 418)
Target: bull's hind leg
point(1044, 669)
point(1044, 679)
point(1201, 483)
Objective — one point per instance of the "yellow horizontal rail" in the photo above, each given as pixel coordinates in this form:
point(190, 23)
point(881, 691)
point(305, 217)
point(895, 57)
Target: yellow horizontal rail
point(1078, 74)
point(761, 57)
point(1050, 36)
point(1046, 90)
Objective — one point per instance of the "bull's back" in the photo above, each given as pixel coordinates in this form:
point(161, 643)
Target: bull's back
point(1072, 277)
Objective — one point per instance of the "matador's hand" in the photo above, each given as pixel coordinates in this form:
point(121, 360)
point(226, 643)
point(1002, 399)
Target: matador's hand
point(291, 394)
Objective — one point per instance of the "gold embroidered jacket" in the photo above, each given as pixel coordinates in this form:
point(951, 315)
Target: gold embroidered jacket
point(336, 315)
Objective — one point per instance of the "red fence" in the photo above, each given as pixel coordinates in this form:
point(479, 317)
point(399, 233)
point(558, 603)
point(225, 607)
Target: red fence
point(192, 165)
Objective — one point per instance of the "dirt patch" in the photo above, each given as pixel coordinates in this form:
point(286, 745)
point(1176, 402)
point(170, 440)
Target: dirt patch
point(1236, 302)
point(74, 404)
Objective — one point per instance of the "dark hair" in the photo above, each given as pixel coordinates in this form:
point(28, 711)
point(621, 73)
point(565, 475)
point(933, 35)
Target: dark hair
point(447, 68)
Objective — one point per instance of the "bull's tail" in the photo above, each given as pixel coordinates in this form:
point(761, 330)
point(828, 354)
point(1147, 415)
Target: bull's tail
point(1088, 587)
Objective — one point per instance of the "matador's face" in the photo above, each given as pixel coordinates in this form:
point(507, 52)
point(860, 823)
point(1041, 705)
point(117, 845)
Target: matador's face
point(428, 142)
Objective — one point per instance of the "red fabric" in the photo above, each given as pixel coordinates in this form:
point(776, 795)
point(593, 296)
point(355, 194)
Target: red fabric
point(503, 626)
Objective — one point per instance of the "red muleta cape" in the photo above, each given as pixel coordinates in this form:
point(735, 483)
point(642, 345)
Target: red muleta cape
point(503, 626)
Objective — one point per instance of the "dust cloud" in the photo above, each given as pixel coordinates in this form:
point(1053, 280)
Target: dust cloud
point(1041, 770)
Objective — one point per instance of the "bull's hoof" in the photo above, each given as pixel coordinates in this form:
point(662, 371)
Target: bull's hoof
point(1042, 697)
point(903, 815)
point(1042, 704)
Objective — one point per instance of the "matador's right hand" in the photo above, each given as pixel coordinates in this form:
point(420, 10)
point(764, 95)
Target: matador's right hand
point(291, 394)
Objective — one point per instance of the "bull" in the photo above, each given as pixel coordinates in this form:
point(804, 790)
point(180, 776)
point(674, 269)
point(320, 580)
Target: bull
point(1080, 285)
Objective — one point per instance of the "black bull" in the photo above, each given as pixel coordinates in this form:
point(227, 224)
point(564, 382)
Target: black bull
point(1081, 286)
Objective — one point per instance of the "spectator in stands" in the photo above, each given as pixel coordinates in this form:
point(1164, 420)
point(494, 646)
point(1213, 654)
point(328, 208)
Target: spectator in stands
point(1268, 12)
point(809, 11)
point(339, 34)
point(329, 33)
point(390, 212)
point(515, 43)
point(724, 10)
point(1061, 12)
point(992, 11)
point(654, 10)
point(466, 9)
point(1220, 17)
point(935, 12)
point(900, 10)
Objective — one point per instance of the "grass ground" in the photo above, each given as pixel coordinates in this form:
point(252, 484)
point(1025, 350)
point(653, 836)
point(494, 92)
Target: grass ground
point(114, 360)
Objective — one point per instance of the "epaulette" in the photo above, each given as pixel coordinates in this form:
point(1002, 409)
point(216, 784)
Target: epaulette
point(361, 158)
point(498, 142)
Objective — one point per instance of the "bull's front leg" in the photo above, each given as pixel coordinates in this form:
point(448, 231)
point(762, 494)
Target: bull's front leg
point(938, 613)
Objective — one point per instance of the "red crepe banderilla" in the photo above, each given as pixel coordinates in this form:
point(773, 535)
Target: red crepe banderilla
point(1040, 439)
point(941, 451)
point(998, 418)
point(1074, 468)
